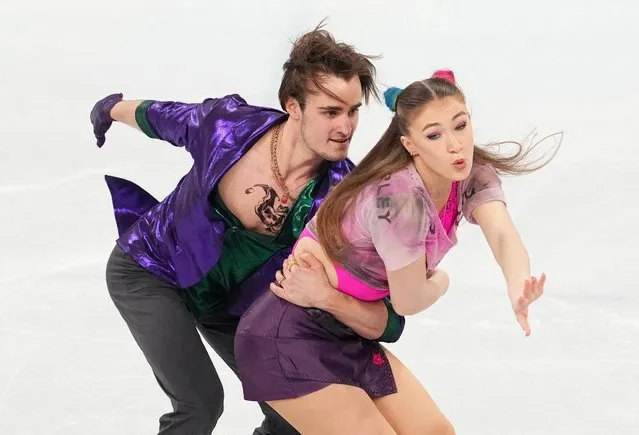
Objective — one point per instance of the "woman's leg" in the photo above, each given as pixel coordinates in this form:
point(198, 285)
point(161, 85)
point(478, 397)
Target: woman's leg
point(411, 410)
point(336, 409)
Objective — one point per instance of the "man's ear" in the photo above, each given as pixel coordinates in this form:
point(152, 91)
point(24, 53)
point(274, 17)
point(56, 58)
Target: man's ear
point(293, 109)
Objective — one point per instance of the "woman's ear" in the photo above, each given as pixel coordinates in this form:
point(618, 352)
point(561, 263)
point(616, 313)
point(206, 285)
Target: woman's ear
point(408, 144)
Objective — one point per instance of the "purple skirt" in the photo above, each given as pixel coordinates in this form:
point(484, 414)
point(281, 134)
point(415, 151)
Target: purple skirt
point(284, 351)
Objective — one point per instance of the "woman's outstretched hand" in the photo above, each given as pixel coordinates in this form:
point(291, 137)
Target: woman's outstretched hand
point(533, 289)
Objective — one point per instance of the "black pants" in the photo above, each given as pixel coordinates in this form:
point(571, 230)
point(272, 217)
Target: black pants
point(166, 333)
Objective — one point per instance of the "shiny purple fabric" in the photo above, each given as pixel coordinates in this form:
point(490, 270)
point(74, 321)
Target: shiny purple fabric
point(178, 239)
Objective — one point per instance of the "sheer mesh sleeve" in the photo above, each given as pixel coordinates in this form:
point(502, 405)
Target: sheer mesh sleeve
point(398, 222)
point(483, 186)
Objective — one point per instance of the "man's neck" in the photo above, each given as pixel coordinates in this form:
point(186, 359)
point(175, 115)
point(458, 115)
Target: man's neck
point(296, 161)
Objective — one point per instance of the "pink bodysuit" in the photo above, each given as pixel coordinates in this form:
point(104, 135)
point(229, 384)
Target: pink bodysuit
point(394, 222)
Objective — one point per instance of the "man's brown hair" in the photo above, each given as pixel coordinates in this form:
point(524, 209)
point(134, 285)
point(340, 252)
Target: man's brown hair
point(316, 55)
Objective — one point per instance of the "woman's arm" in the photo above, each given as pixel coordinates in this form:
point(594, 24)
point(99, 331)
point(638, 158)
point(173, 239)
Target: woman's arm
point(511, 255)
point(412, 290)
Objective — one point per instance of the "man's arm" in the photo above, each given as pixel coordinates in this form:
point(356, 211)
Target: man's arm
point(373, 320)
point(308, 286)
point(124, 111)
point(175, 122)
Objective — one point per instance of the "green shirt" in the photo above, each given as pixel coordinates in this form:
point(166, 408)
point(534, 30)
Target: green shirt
point(243, 251)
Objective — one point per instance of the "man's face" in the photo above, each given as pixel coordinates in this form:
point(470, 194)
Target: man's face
point(327, 125)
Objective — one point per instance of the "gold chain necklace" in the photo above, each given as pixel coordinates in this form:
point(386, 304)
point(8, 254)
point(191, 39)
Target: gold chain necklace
point(275, 167)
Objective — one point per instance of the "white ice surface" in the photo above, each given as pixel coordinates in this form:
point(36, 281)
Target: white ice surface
point(68, 365)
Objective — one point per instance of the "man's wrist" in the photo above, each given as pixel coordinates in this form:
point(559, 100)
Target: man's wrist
point(331, 301)
point(114, 112)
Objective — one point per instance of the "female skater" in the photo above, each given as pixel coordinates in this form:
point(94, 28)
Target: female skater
point(383, 230)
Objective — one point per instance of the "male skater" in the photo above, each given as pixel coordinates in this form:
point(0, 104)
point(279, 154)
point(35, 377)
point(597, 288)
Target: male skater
point(200, 257)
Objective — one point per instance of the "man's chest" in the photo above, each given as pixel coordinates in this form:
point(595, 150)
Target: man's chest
point(250, 192)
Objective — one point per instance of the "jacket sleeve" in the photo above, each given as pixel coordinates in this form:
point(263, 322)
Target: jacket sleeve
point(175, 122)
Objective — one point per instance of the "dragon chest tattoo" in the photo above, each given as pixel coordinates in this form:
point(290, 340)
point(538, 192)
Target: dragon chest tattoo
point(271, 214)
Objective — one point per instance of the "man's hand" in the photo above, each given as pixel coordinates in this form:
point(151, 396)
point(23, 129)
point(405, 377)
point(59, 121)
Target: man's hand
point(304, 282)
point(101, 117)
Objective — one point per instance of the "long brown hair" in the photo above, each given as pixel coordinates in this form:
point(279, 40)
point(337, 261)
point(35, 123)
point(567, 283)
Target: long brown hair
point(389, 156)
point(317, 55)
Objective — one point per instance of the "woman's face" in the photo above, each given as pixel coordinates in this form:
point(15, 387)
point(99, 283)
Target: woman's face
point(441, 139)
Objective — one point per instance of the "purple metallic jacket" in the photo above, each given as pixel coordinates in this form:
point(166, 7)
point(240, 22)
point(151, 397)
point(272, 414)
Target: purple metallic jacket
point(179, 239)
